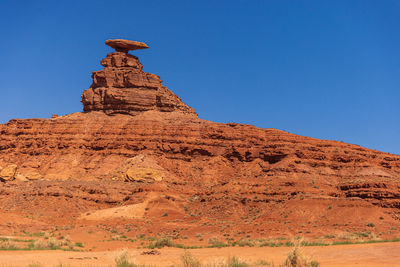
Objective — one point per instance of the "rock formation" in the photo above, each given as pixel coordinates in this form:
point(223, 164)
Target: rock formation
point(196, 169)
point(123, 87)
point(8, 173)
point(121, 45)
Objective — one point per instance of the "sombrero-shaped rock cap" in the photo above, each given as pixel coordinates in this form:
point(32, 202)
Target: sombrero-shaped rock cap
point(122, 45)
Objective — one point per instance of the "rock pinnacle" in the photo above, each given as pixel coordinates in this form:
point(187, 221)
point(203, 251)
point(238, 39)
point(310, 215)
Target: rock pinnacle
point(122, 87)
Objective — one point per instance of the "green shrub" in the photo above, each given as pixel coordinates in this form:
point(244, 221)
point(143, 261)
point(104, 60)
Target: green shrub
point(216, 243)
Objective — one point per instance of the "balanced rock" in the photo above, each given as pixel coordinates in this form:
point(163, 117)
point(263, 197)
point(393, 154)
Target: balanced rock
point(122, 45)
point(122, 87)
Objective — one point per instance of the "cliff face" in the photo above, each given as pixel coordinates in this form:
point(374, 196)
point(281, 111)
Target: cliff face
point(87, 146)
point(156, 142)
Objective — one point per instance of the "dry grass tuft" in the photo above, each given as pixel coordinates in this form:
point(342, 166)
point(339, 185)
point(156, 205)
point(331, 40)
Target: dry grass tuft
point(296, 257)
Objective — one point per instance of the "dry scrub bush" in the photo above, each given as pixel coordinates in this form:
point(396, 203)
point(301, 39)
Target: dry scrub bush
point(53, 243)
point(296, 258)
point(122, 260)
point(188, 260)
point(8, 245)
point(163, 242)
point(245, 242)
point(40, 244)
point(236, 262)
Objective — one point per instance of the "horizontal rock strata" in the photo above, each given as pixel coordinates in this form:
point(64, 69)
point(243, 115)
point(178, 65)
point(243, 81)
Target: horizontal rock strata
point(156, 156)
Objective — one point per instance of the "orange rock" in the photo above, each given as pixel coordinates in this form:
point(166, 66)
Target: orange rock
point(8, 173)
point(143, 175)
point(32, 176)
point(20, 177)
point(122, 45)
point(123, 87)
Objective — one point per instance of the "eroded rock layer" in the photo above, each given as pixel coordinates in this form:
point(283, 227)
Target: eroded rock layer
point(224, 170)
point(171, 173)
point(91, 145)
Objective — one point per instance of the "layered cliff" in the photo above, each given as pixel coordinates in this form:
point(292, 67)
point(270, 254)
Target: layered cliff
point(199, 168)
point(90, 145)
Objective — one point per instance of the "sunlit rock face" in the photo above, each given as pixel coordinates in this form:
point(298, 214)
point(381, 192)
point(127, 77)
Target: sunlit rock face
point(122, 87)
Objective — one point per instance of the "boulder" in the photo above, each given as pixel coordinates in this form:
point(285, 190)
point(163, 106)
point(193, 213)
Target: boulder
point(32, 176)
point(148, 175)
point(141, 168)
point(21, 178)
point(8, 173)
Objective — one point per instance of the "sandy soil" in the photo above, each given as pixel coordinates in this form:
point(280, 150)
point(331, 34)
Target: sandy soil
point(382, 254)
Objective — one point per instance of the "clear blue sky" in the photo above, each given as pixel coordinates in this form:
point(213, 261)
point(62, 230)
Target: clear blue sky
point(325, 69)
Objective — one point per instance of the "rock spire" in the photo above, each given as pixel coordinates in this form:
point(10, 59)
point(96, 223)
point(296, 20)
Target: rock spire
point(122, 87)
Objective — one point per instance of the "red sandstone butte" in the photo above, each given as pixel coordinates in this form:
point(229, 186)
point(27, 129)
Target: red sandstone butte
point(136, 130)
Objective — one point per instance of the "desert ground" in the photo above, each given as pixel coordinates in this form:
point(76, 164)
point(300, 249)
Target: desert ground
point(382, 254)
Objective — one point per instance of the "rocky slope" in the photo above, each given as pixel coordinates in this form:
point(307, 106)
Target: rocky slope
point(157, 154)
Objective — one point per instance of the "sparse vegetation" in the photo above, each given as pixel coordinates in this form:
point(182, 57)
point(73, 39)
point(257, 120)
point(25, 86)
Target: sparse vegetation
point(296, 258)
point(236, 262)
point(216, 243)
point(163, 242)
point(44, 243)
point(188, 260)
point(167, 242)
point(8, 245)
point(122, 260)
